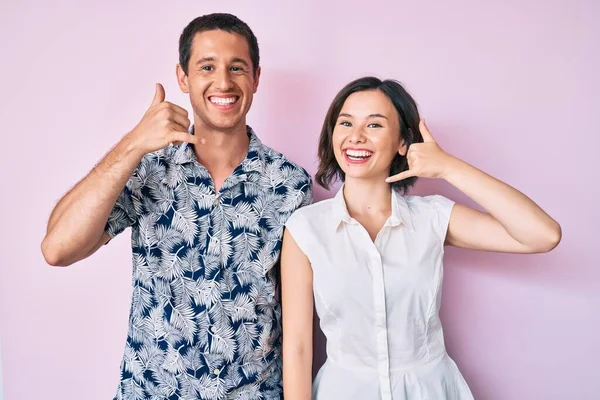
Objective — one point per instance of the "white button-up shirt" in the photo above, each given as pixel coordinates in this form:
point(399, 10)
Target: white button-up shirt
point(378, 302)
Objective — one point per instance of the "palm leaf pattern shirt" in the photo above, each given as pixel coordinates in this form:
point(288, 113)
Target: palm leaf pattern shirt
point(205, 321)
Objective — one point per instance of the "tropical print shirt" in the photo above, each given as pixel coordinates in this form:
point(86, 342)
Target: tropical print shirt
point(205, 318)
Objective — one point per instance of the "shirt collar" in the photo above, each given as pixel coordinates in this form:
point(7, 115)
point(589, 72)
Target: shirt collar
point(339, 211)
point(400, 211)
point(254, 161)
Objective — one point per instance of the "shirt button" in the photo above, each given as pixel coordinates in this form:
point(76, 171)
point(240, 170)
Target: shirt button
point(211, 285)
point(216, 371)
point(213, 329)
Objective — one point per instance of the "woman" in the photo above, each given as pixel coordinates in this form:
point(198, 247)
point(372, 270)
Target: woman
point(372, 255)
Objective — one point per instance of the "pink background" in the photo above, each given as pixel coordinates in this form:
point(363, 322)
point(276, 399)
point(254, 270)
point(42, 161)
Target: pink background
point(510, 87)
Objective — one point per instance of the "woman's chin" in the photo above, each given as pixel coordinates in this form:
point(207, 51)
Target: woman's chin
point(366, 178)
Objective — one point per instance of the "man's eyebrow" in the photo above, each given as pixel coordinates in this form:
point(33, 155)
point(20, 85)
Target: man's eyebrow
point(205, 59)
point(235, 60)
point(241, 61)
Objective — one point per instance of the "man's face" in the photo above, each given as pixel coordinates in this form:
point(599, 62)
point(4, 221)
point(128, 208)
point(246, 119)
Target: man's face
point(220, 81)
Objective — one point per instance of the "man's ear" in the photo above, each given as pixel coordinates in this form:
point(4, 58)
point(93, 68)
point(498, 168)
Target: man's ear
point(182, 79)
point(256, 79)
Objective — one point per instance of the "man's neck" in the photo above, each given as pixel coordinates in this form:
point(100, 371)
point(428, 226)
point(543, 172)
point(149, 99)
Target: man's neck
point(221, 149)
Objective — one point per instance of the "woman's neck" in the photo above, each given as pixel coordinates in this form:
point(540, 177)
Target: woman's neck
point(367, 197)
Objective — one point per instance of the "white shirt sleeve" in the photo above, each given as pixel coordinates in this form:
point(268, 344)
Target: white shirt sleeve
point(442, 209)
point(298, 226)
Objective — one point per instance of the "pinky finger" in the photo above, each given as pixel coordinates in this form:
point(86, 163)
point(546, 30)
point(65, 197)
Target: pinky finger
point(178, 137)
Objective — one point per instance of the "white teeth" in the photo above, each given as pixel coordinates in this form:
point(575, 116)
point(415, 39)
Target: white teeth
point(359, 153)
point(223, 101)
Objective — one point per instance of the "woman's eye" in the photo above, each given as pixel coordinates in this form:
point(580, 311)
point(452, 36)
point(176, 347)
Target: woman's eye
point(345, 123)
point(374, 126)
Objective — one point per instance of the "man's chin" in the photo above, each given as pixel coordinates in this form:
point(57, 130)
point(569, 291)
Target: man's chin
point(227, 125)
point(222, 125)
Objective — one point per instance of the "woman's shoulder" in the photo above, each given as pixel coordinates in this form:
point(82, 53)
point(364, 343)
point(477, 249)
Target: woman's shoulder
point(308, 222)
point(320, 208)
point(425, 200)
point(425, 205)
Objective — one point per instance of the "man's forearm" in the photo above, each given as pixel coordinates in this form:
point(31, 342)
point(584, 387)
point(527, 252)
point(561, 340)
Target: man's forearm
point(78, 220)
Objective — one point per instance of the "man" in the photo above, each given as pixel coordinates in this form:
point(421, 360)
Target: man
point(206, 205)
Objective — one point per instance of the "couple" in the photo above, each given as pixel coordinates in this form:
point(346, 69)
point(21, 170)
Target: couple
point(220, 221)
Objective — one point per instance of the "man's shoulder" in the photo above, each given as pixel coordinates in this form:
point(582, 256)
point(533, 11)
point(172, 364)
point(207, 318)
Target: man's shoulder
point(153, 170)
point(273, 157)
point(294, 181)
point(164, 157)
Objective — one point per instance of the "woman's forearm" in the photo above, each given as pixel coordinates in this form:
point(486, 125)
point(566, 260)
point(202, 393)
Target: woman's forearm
point(297, 371)
point(522, 218)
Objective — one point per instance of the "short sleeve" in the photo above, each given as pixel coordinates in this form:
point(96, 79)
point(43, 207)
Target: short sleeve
point(442, 206)
point(123, 214)
point(298, 226)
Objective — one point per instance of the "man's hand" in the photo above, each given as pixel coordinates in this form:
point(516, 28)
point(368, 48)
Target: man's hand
point(164, 123)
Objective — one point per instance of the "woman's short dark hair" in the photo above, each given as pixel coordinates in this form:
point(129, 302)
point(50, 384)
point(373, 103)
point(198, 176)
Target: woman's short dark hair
point(408, 116)
point(217, 21)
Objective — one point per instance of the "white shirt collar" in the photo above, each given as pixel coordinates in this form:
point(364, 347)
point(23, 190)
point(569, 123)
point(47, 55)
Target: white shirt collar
point(400, 211)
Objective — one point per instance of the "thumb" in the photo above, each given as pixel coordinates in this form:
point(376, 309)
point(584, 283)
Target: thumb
point(159, 96)
point(427, 137)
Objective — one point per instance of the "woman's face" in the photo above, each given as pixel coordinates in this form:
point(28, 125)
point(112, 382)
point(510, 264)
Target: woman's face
point(366, 136)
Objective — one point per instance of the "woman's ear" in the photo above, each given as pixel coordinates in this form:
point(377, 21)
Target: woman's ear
point(402, 148)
